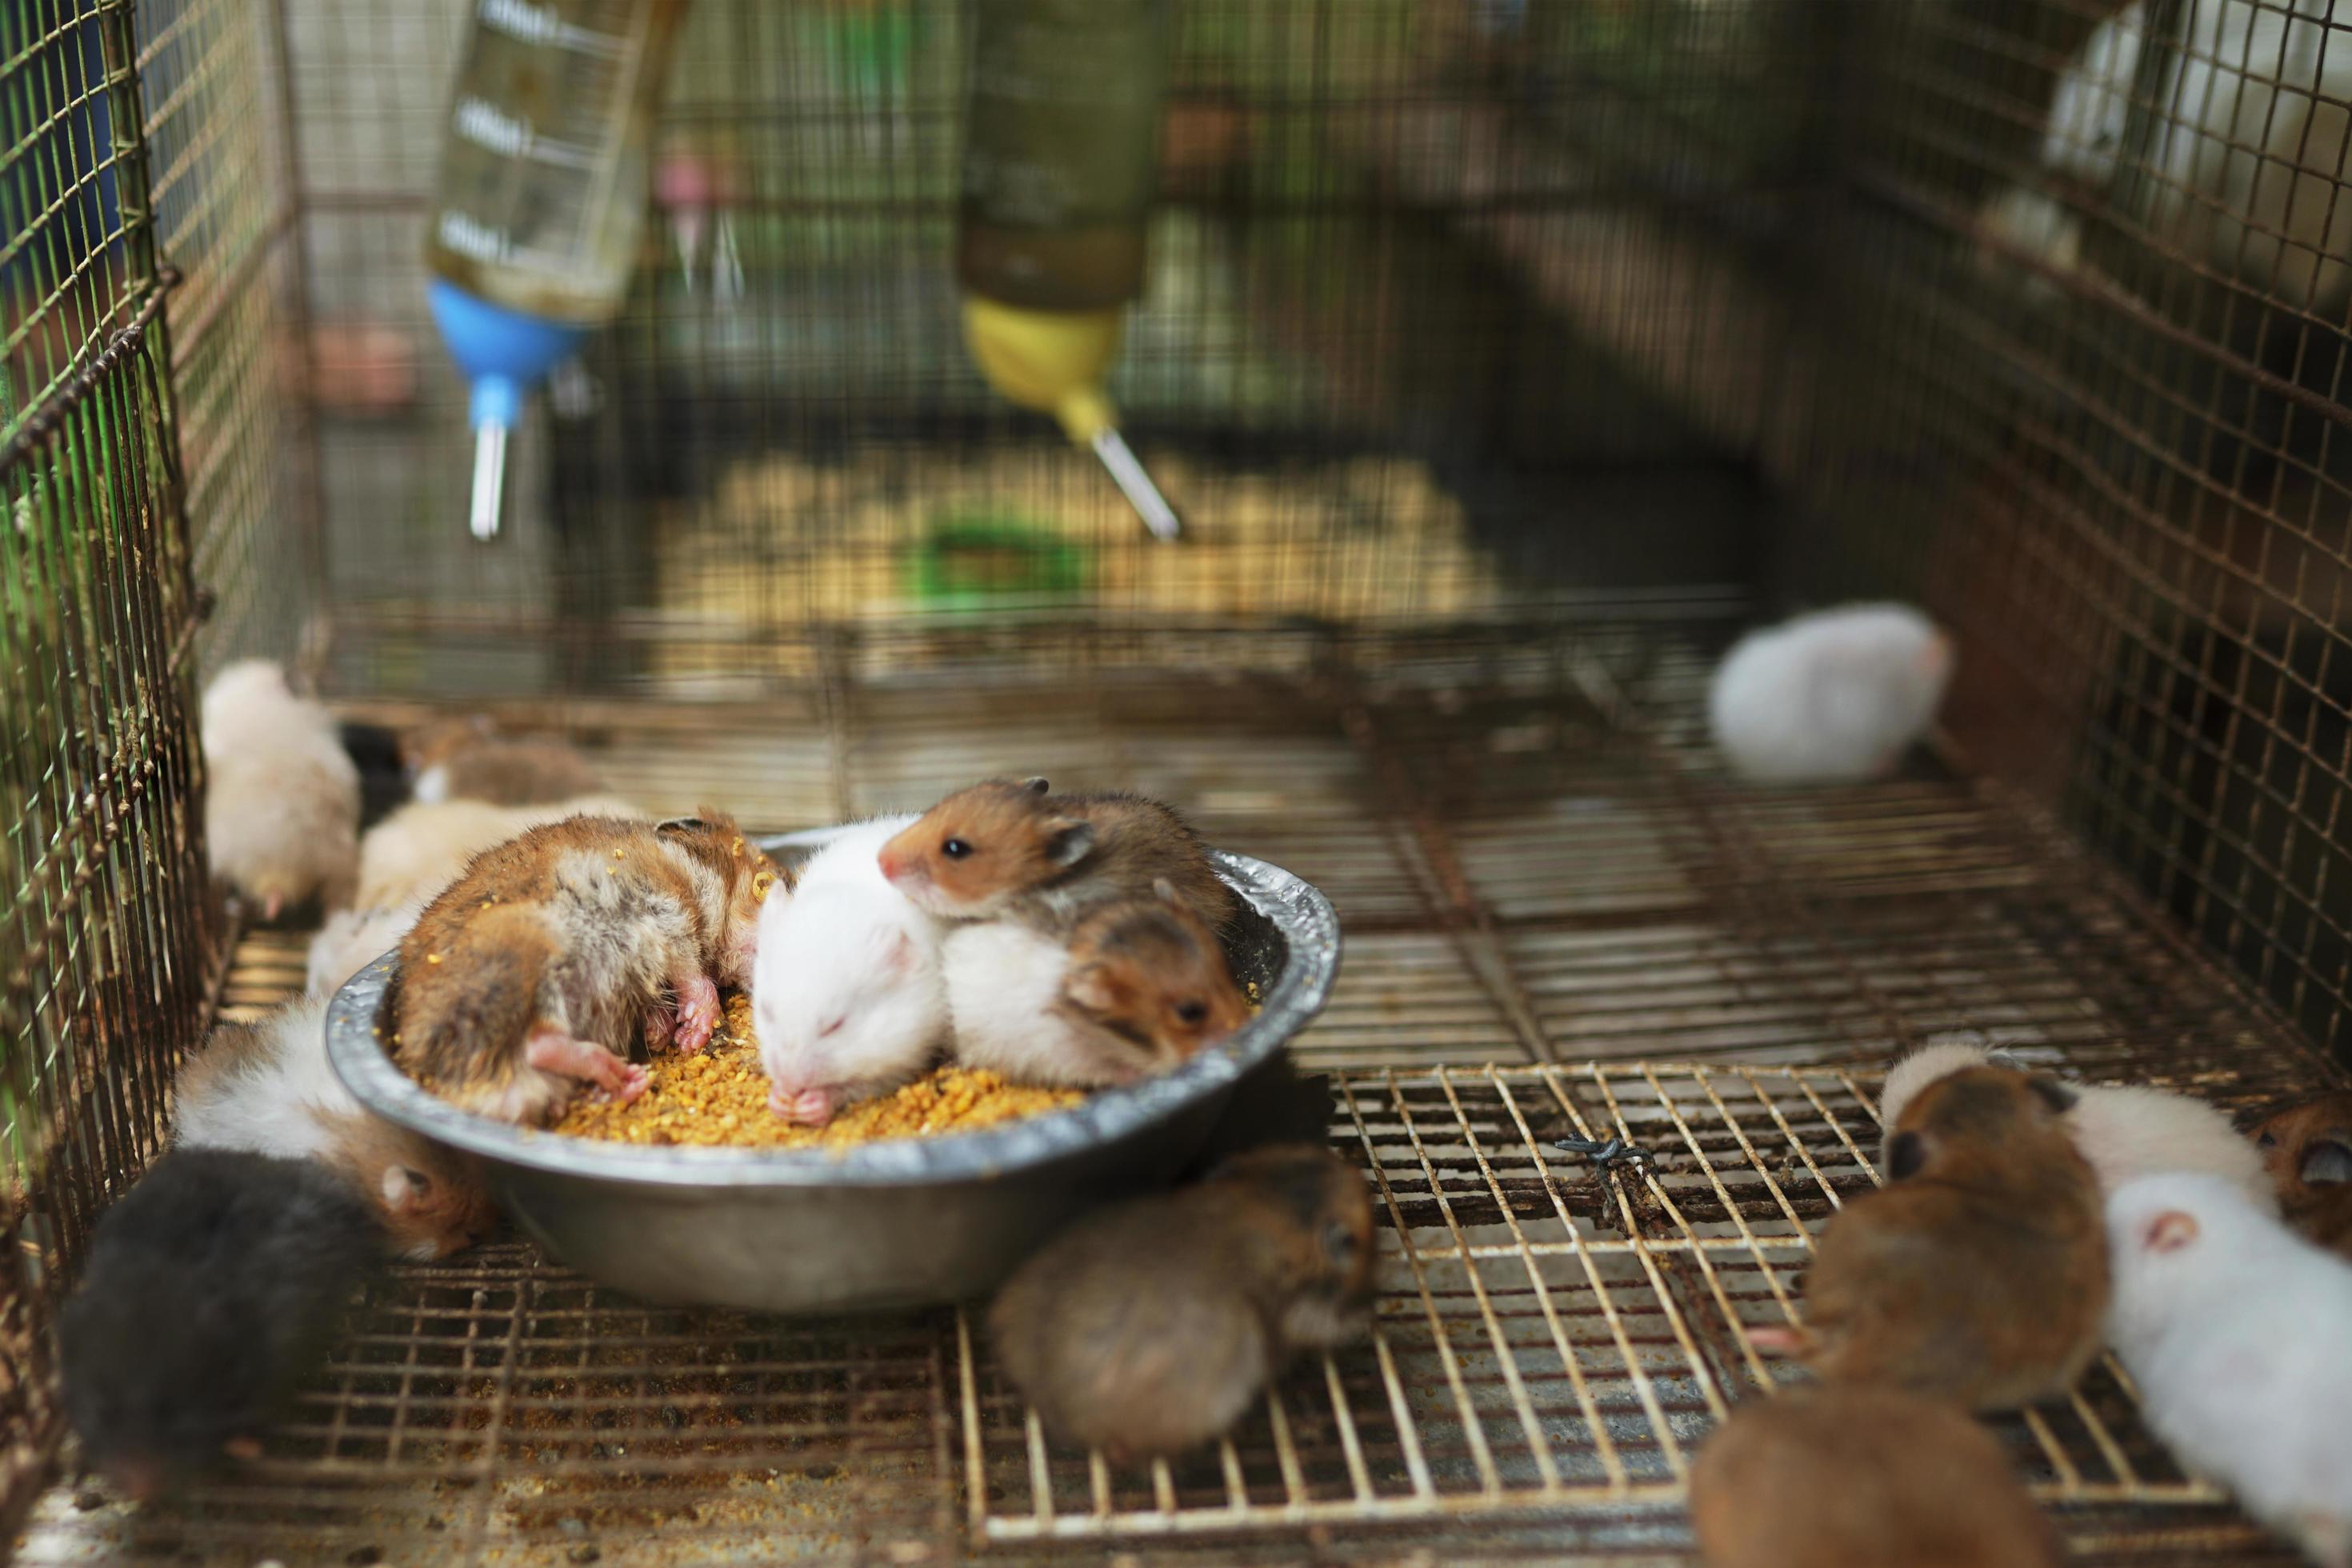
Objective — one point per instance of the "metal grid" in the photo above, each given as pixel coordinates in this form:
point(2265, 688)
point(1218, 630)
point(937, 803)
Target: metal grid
point(1553, 1347)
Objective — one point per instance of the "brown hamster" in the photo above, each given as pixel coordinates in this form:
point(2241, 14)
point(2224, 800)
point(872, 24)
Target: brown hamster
point(1150, 1326)
point(468, 759)
point(266, 1089)
point(1861, 1477)
point(537, 970)
point(1139, 987)
point(2307, 1151)
point(1018, 851)
point(1981, 1275)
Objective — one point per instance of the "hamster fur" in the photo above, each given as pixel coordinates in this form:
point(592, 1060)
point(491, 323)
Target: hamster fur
point(538, 969)
point(1007, 851)
point(1832, 697)
point(1862, 1478)
point(2126, 1131)
point(211, 1290)
point(1981, 1273)
point(1149, 1327)
point(267, 1088)
point(847, 995)
point(1139, 987)
point(2234, 1329)
point(281, 796)
point(2307, 1150)
point(469, 759)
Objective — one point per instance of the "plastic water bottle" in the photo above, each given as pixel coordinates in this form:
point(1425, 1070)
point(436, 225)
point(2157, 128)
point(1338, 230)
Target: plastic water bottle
point(1060, 165)
point(544, 179)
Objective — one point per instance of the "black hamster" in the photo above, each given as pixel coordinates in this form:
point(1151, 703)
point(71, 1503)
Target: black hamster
point(211, 1292)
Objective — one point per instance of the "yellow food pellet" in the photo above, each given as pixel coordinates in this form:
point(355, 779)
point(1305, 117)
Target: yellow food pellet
point(719, 1096)
point(432, 958)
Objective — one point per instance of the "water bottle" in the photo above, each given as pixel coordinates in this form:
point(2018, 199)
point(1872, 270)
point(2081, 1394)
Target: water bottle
point(1060, 165)
point(544, 170)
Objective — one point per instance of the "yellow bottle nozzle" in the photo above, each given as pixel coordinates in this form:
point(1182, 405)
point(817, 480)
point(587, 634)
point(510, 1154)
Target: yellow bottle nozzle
point(1052, 362)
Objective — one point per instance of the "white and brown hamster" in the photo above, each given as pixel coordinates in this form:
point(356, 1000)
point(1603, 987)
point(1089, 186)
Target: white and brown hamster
point(2126, 1131)
point(281, 796)
point(1140, 987)
point(1150, 1326)
point(2307, 1154)
point(1832, 697)
point(211, 1292)
point(540, 968)
point(1862, 1478)
point(1017, 851)
point(1980, 1274)
point(2232, 1328)
point(469, 759)
point(266, 1089)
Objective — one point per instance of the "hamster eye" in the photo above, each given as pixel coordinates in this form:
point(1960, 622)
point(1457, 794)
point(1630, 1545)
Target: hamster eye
point(1192, 1010)
point(955, 849)
point(2267, 1140)
point(1339, 1244)
point(831, 1029)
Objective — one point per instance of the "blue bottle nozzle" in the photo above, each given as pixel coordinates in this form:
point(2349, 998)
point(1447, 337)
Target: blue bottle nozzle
point(503, 354)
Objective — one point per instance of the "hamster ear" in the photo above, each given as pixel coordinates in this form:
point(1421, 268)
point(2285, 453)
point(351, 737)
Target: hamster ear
point(898, 953)
point(1904, 1154)
point(405, 1187)
point(2056, 1095)
point(2326, 1164)
point(682, 824)
point(1096, 988)
point(2169, 1231)
point(1165, 891)
point(1067, 841)
point(1035, 785)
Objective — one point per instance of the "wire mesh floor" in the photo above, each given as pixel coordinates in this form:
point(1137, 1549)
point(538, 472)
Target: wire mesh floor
point(1560, 921)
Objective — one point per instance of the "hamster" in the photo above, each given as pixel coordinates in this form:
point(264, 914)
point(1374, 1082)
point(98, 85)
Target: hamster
point(2232, 1327)
point(1981, 1275)
point(848, 999)
point(1835, 696)
point(281, 796)
point(2126, 1131)
point(211, 1292)
point(1017, 851)
point(537, 970)
point(267, 1088)
point(468, 759)
point(351, 941)
point(1150, 1326)
point(1140, 987)
point(1862, 1478)
point(2307, 1154)
point(421, 849)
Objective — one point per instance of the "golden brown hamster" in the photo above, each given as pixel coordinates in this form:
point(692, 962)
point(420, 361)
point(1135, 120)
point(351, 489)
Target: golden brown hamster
point(540, 968)
point(2307, 1151)
point(1002, 849)
point(468, 759)
point(266, 1089)
point(1862, 1478)
point(1981, 1275)
point(1140, 987)
point(1149, 1327)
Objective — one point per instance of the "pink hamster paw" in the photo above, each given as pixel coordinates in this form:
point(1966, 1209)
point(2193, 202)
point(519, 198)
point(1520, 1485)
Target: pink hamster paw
point(698, 1014)
point(811, 1107)
point(553, 1051)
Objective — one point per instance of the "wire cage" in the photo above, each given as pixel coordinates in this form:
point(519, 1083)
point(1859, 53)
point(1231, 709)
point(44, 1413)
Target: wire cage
point(1505, 359)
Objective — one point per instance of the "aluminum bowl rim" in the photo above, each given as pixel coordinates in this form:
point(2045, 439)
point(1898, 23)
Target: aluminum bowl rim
point(1297, 909)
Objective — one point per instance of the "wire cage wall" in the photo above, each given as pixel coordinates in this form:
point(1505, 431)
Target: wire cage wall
point(1505, 358)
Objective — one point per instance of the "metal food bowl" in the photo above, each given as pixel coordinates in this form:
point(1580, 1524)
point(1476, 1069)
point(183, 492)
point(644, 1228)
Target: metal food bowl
point(904, 1221)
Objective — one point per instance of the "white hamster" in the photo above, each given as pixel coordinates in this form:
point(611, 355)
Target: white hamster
point(848, 997)
point(2125, 1131)
point(2234, 1329)
point(283, 801)
point(1829, 698)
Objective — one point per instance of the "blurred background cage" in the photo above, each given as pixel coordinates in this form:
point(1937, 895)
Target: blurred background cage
point(1503, 356)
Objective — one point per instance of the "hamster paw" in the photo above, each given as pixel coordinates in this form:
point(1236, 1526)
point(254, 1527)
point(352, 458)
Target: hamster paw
point(697, 1014)
point(810, 1107)
point(550, 1051)
point(660, 1030)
